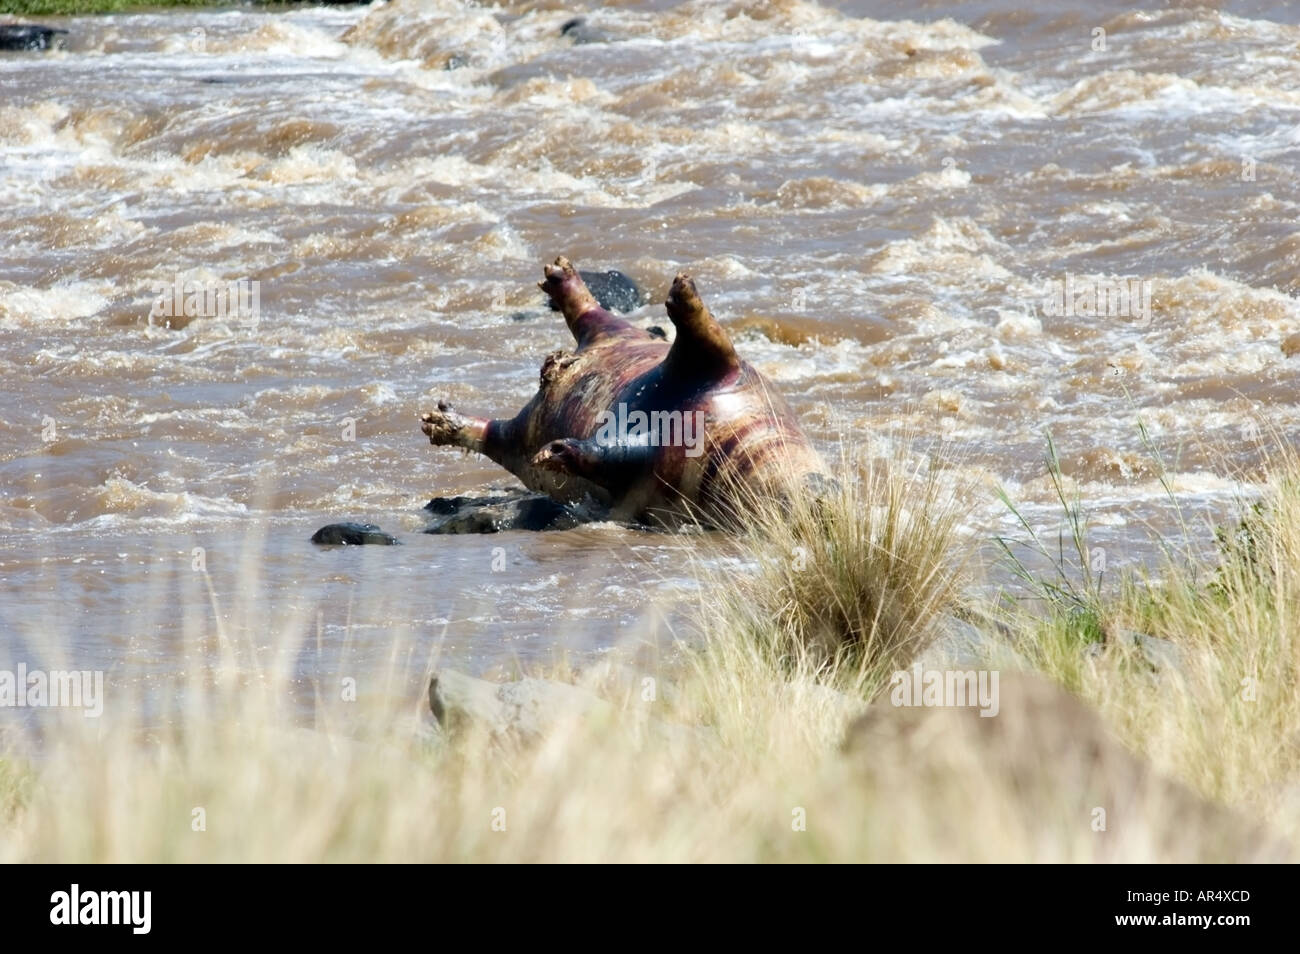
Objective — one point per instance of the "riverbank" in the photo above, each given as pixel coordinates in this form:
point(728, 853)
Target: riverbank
point(71, 8)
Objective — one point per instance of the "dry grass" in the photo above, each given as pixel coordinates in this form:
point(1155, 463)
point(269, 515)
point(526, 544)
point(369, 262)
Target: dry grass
point(849, 581)
point(1225, 719)
point(759, 769)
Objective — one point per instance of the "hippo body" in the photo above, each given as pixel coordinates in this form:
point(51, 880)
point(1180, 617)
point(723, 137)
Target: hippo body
point(712, 430)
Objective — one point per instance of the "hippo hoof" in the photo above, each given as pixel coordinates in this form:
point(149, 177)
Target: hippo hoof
point(353, 534)
point(442, 426)
point(556, 456)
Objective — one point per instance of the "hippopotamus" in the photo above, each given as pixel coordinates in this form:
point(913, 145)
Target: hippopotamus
point(649, 431)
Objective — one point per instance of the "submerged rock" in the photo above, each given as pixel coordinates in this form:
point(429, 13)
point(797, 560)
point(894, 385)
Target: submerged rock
point(30, 36)
point(353, 534)
point(580, 31)
point(514, 510)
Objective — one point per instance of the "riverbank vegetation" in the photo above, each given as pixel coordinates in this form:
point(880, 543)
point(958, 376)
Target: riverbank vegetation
point(1154, 718)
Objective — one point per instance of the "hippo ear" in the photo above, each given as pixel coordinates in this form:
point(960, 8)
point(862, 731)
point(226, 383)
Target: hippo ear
point(702, 347)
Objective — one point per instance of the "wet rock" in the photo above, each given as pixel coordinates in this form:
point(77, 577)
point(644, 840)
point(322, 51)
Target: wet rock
point(1161, 654)
point(515, 510)
point(580, 31)
point(528, 709)
point(969, 644)
point(1291, 345)
point(353, 534)
point(30, 36)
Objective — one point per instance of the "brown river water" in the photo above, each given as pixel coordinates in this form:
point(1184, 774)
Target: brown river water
point(882, 201)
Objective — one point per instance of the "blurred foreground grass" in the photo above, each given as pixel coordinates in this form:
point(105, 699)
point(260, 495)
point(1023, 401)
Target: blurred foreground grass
point(768, 734)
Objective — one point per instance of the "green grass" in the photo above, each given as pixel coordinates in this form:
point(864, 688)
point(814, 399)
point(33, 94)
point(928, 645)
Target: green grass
point(66, 8)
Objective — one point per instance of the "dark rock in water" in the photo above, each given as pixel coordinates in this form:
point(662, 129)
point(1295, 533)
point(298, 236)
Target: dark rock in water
point(614, 290)
point(658, 332)
point(353, 534)
point(29, 36)
point(508, 511)
point(580, 31)
point(456, 62)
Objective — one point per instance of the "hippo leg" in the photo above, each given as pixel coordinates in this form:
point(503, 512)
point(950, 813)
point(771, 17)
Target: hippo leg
point(495, 439)
point(500, 441)
point(702, 351)
point(582, 313)
point(614, 467)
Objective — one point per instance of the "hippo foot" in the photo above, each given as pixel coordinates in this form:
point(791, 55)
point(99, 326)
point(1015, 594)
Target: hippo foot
point(558, 456)
point(566, 289)
point(444, 427)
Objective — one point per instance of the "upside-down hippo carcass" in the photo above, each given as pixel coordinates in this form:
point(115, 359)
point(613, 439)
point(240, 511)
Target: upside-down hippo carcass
point(649, 431)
